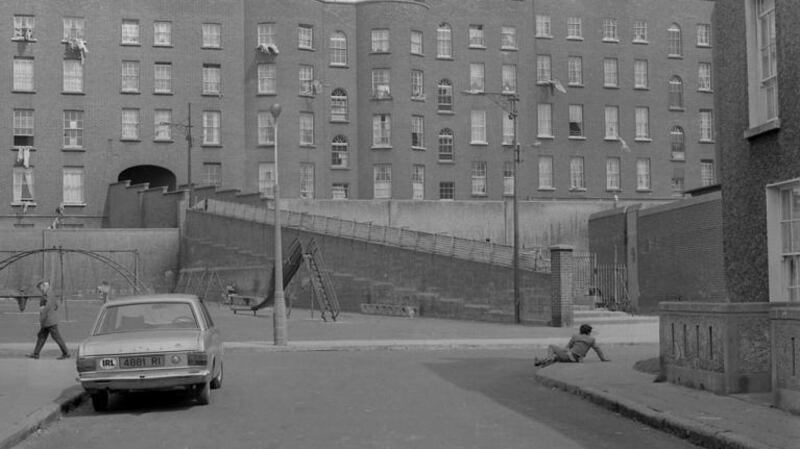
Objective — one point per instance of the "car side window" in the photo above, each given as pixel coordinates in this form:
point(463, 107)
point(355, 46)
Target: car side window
point(206, 315)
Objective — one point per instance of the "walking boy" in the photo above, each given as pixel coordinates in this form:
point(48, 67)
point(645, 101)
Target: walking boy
point(575, 351)
point(48, 321)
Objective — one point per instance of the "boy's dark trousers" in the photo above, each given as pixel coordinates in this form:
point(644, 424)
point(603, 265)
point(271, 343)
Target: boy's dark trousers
point(41, 337)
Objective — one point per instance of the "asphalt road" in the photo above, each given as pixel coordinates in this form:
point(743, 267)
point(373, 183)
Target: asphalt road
point(360, 399)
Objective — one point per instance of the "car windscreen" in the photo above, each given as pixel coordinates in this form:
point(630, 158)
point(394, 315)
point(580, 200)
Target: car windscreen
point(147, 316)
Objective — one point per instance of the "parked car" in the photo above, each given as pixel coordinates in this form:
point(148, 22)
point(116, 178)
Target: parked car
point(151, 342)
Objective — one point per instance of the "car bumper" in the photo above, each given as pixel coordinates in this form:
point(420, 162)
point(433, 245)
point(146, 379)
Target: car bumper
point(132, 381)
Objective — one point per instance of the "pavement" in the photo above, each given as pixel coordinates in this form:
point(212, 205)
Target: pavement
point(34, 393)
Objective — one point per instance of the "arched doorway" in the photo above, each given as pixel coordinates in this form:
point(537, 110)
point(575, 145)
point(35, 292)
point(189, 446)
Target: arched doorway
point(154, 175)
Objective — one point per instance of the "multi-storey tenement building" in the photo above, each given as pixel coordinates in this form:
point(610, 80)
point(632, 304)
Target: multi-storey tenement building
point(392, 99)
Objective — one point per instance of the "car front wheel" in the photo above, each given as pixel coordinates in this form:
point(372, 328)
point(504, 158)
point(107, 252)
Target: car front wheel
point(203, 393)
point(100, 401)
point(216, 382)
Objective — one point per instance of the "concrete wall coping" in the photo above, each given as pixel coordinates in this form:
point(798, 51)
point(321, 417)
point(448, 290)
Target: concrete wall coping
point(163, 189)
point(681, 203)
point(607, 213)
point(715, 307)
point(785, 311)
point(562, 247)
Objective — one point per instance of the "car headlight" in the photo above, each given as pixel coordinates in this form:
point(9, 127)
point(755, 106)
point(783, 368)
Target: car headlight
point(86, 364)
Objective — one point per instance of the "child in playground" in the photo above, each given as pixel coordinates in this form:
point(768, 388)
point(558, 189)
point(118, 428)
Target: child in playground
point(574, 352)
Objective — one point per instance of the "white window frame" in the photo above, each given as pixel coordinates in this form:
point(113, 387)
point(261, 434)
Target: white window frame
point(706, 125)
point(340, 191)
point(674, 41)
point(305, 79)
point(446, 145)
point(212, 79)
point(265, 33)
point(23, 177)
point(162, 131)
point(338, 44)
point(477, 77)
point(444, 41)
point(72, 76)
point(339, 105)
point(379, 40)
point(417, 132)
point(643, 182)
point(610, 33)
point(162, 77)
point(762, 65)
point(381, 83)
point(307, 181)
point(479, 178)
point(509, 78)
point(477, 38)
point(24, 127)
point(613, 174)
point(783, 246)
point(417, 84)
point(477, 127)
point(508, 178)
point(575, 28)
point(640, 74)
point(611, 122)
point(704, 77)
point(382, 181)
point(23, 75)
point(577, 175)
point(447, 191)
point(267, 78)
point(707, 175)
point(266, 128)
point(543, 26)
point(704, 35)
point(74, 28)
point(418, 182)
point(162, 33)
point(444, 96)
point(508, 129)
point(610, 72)
point(211, 35)
point(212, 127)
point(640, 32)
point(305, 37)
point(575, 71)
point(129, 32)
point(73, 123)
point(576, 126)
point(546, 173)
point(24, 28)
point(339, 152)
point(129, 75)
point(212, 174)
point(416, 43)
point(73, 186)
point(508, 38)
point(544, 66)
point(544, 120)
point(381, 131)
point(131, 122)
point(306, 128)
point(642, 123)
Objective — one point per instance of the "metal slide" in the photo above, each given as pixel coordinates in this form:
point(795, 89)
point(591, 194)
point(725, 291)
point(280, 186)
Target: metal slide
point(290, 267)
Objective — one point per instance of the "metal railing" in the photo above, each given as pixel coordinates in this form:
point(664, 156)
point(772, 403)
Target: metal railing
point(531, 259)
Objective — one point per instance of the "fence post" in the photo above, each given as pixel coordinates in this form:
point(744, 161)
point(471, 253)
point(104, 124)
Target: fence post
point(561, 262)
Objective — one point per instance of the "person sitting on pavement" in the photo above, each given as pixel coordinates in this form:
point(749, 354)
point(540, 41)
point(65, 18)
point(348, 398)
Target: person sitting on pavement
point(48, 321)
point(575, 351)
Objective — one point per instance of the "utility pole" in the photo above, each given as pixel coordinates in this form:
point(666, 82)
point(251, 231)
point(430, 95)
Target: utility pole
point(508, 103)
point(279, 325)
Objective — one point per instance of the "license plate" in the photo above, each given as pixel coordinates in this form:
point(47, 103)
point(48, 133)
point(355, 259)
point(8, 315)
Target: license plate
point(148, 361)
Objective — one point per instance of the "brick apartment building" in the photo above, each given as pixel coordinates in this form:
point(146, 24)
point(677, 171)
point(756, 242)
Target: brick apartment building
point(380, 99)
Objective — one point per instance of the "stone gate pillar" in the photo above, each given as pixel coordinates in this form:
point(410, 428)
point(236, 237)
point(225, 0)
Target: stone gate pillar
point(561, 266)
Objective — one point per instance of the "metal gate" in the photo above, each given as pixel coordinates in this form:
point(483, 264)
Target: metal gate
point(607, 283)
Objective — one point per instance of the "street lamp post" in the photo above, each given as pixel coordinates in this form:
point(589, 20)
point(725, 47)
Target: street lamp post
point(279, 333)
point(509, 105)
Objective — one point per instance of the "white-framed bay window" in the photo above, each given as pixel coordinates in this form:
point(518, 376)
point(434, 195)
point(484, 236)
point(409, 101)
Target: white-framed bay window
point(783, 240)
point(762, 63)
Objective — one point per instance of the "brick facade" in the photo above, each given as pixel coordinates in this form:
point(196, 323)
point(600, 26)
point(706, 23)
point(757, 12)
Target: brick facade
point(104, 156)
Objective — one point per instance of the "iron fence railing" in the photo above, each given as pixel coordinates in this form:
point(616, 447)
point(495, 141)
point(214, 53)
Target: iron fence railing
point(531, 259)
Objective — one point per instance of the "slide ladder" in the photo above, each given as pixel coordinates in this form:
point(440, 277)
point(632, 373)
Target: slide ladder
point(321, 283)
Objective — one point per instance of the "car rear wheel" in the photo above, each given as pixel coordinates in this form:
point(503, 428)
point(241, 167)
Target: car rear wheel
point(203, 393)
point(216, 382)
point(100, 401)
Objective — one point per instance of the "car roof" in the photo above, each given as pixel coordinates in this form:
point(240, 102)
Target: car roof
point(157, 297)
